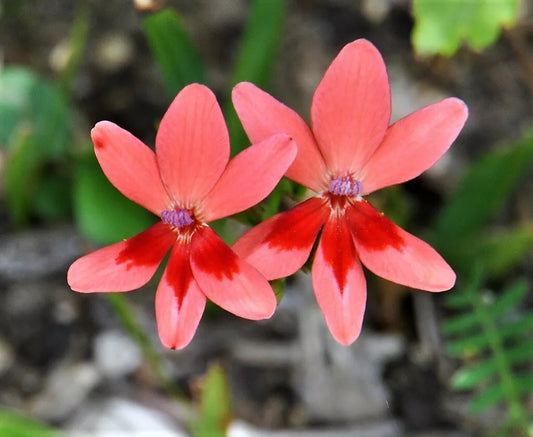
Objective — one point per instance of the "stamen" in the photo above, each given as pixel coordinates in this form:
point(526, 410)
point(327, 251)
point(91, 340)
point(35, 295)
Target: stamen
point(177, 219)
point(345, 186)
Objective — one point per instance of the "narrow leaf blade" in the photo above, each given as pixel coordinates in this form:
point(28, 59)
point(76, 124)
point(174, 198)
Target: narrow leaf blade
point(174, 51)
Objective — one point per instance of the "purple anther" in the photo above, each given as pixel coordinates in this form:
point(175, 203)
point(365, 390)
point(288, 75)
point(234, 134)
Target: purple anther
point(345, 186)
point(177, 219)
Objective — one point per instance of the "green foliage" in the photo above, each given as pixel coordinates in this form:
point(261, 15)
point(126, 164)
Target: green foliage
point(215, 405)
point(16, 425)
point(35, 130)
point(459, 231)
point(34, 104)
point(36, 126)
point(102, 212)
point(492, 335)
point(442, 25)
point(255, 60)
point(499, 251)
point(175, 53)
point(484, 189)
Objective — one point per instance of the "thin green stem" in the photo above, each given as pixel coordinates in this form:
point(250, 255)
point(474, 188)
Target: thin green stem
point(78, 41)
point(125, 314)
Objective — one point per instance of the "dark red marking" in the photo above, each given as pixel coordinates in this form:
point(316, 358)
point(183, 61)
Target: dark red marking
point(148, 247)
point(178, 273)
point(338, 249)
point(298, 227)
point(371, 229)
point(98, 142)
point(211, 255)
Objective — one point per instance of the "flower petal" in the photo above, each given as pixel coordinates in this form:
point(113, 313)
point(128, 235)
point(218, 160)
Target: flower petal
point(394, 254)
point(179, 303)
point(279, 246)
point(227, 280)
point(249, 177)
point(192, 145)
point(413, 144)
point(338, 281)
point(130, 166)
point(262, 116)
point(122, 266)
point(351, 107)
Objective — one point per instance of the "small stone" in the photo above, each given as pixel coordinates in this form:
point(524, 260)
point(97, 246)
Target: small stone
point(114, 52)
point(65, 389)
point(385, 428)
point(122, 417)
point(36, 254)
point(116, 354)
point(335, 382)
point(376, 10)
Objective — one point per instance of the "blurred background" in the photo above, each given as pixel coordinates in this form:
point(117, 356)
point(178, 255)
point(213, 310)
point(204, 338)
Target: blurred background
point(439, 365)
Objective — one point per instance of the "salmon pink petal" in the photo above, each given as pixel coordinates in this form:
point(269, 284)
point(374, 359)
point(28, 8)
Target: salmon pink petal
point(394, 254)
point(179, 303)
point(279, 246)
point(122, 266)
point(192, 145)
point(350, 111)
point(339, 282)
point(262, 116)
point(413, 144)
point(249, 177)
point(227, 280)
point(130, 166)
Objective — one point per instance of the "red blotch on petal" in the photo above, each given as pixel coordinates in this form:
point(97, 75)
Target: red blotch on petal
point(148, 247)
point(372, 229)
point(309, 216)
point(98, 143)
point(206, 245)
point(178, 272)
point(338, 249)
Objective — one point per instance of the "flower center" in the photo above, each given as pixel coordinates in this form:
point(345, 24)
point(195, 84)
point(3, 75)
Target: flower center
point(177, 218)
point(345, 186)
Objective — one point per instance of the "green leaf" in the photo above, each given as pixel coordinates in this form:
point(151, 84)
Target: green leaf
point(31, 101)
point(469, 377)
point(21, 176)
point(442, 25)
point(472, 345)
point(463, 298)
point(257, 54)
point(215, 405)
point(103, 214)
point(524, 384)
point(463, 323)
point(520, 326)
point(457, 299)
point(498, 252)
point(53, 198)
point(16, 425)
point(496, 393)
point(175, 53)
point(487, 398)
point(278, 285)
point(509, 298)
point(77, 43)
point(483, 191)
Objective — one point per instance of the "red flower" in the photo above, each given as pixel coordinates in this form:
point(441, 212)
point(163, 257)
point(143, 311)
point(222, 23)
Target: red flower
point(187, 182)
point(349, 151)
